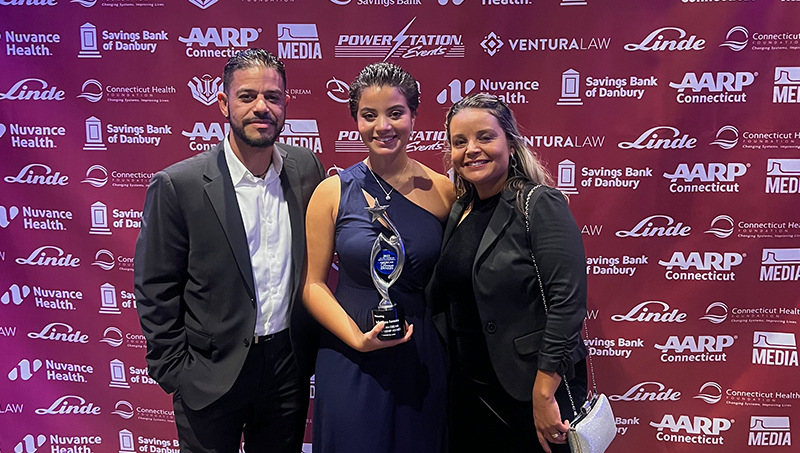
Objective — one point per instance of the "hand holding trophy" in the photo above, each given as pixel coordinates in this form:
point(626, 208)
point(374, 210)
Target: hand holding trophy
point(387, 258)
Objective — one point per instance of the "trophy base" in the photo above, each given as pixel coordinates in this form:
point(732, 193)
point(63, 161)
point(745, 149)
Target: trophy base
point(395, 320)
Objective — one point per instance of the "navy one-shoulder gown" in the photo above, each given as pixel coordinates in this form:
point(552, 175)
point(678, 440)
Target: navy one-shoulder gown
point(391, 400)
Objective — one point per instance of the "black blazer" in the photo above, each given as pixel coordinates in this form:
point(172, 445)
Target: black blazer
point(520, 337)
point(193, 278)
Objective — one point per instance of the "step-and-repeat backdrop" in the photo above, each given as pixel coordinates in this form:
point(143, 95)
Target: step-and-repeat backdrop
point(672, 125)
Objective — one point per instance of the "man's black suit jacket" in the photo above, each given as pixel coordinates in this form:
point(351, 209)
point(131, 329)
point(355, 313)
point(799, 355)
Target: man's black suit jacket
point(193, 278)
point(520, 337)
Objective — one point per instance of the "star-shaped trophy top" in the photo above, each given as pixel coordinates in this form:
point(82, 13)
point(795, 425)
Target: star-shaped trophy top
point(377, 211)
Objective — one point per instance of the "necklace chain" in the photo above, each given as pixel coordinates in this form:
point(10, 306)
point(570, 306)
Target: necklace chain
point(391, 188)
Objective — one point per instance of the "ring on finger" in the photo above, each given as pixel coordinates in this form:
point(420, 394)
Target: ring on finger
point(555, 435)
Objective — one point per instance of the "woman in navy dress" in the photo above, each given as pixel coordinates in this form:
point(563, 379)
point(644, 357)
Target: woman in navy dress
point(371, 395)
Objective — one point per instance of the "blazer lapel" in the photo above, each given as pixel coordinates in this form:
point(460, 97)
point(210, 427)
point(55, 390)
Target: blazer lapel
point(500, 220)
point(291, 184)
point(222, 195)
point(452, 221)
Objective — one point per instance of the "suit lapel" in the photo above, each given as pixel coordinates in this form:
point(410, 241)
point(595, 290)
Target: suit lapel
point(452, 221)
point(500, 220)
point(291, 184)
point(222, 195)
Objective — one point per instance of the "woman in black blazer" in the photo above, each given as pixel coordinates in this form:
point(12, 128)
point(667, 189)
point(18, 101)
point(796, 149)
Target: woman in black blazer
point(509, 353)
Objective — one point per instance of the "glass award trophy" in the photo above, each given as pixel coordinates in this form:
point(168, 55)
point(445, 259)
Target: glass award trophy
point(387, 258)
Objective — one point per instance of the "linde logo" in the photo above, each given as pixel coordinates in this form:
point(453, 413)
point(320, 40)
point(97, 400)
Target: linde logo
point(303, 133)
point(721, 226)
point(49, 255)
point(668, 39)
point(770, 431)
point(59, 331)
point(205, 89)
point(33, 89)
point(213, 133)
point(661, 137)
point(70, 404)
point(16, 294)
point(697, 429)
point(736, 39)
point(780, 265)
point(774, 348)
point(711, 177)
point(708, 266)
point(24, 136)
point(30, 44)
point(724, 84)
point(661, 313)
point(338, 91)
point(230, 40)
point(710, 393)
point(787, 85)
point(727, 137)
point(38, 174)
point(648, 391)
point(492, 43)
point(402, 45)
point(703, 348)
point(783, 176)
point(656, 225)
point(298, 42)
point(716, 313)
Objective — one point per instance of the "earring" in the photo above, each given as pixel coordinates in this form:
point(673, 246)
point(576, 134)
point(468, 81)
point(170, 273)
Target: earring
point(514, 161)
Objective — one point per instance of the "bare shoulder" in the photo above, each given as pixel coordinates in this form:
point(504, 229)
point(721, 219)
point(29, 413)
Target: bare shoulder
point(326, 196)
point(441, 183)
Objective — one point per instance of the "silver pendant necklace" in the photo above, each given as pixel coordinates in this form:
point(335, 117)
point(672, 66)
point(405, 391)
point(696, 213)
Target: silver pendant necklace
point(391, 189)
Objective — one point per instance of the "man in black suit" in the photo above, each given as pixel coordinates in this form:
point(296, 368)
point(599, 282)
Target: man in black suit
point(217, 270)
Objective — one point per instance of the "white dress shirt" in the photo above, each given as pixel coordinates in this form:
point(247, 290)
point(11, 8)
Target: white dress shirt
point(265, 215)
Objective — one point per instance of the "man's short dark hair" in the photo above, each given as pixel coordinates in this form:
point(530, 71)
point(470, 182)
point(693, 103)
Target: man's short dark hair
point(250, 58)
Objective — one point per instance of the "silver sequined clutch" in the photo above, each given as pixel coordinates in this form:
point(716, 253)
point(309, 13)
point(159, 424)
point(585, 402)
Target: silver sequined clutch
point(594, 428)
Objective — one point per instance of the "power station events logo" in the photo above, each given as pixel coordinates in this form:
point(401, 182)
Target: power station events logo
point(298, 42)
point(714, 88)
point(402, 45)
point(422, 140)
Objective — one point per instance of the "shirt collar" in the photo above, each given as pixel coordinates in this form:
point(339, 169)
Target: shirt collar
point(239, 172)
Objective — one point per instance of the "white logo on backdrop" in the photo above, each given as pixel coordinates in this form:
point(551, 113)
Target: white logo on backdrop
point(570, 88)
point(96, 180)
point(29, 444)
point(6, 216)
point(24, 369)
point(721, 226)
point(124, 409)
point(338, 91)
point(112, 337)
point(566, 177)
point(726, 143)
point(94, 92)
point(491, 44)
point(712, 395)
point(202, 4)
point(88, 34)
point(716, 313)
point(104, 259)
point(736, 45)
point(15, 294)
point(455, 88)
point(205, 89)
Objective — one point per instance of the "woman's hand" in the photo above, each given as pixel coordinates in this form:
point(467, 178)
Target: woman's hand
point(546, 413)
point(370, 341)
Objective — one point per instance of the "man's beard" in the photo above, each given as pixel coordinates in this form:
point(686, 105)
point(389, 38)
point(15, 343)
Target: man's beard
point(261, 141)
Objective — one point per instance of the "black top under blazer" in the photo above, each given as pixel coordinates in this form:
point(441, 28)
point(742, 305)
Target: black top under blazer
point(520, 337)
point(193, 278)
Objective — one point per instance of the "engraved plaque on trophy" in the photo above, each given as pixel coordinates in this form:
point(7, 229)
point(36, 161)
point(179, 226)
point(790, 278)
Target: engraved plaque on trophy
point(387, 258)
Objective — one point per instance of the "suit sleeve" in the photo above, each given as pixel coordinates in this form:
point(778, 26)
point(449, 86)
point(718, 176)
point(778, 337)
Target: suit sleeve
point(558, 248)
point(160, 275)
